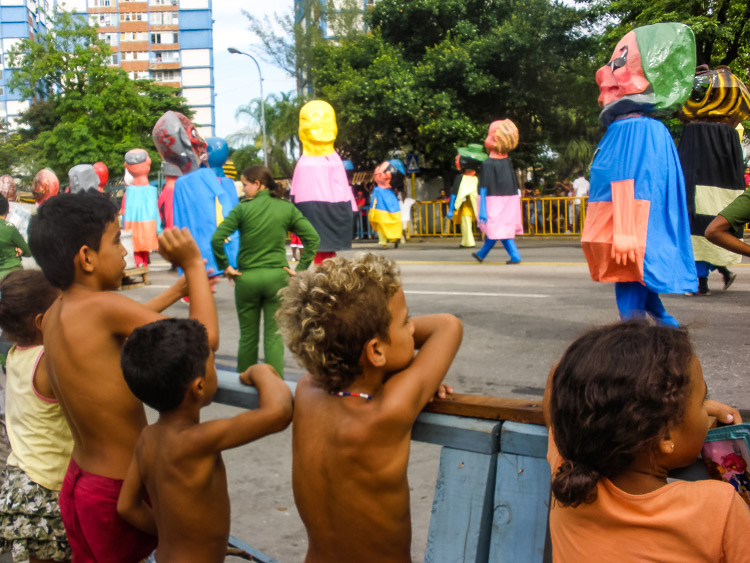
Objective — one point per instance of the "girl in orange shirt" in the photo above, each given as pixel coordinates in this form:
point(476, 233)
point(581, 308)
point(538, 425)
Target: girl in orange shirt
point(627, 404)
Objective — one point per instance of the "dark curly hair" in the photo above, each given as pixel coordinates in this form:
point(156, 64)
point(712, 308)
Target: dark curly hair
point(23, 295)
point(328, 314)
point(617, 390)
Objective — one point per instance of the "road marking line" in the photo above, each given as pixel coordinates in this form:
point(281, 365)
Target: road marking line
point(477, 294)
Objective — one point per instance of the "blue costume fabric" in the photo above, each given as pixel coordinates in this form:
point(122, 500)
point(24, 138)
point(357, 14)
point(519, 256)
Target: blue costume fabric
point(195, 196)
point(141, 206)
point(641, 149)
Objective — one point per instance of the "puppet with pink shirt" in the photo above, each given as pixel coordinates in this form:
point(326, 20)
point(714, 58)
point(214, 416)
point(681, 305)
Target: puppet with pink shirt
point(499, 200)
point(637, 230)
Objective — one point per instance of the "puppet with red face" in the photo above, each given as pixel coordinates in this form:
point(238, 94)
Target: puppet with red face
point(637, 232)
point(45, 185)
point(192, 197)
point(385, 212)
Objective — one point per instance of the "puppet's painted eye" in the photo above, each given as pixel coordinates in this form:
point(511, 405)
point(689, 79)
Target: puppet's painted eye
point(620, 61)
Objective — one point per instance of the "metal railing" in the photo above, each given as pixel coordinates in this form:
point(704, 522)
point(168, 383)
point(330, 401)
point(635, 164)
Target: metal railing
point(541, 216)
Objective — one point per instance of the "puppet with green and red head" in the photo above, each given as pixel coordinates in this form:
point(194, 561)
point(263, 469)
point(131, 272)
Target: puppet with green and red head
point(650, 71)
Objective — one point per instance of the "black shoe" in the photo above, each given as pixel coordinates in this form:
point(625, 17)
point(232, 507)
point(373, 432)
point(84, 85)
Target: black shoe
point(396, 243)
point(513, 262)
point(477, 257)
point(729, 280)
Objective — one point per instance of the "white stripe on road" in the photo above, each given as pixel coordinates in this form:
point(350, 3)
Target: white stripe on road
point(478, 294)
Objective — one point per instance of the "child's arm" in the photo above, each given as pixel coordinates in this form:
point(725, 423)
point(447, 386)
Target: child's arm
point(178, 246)
point(123, 315)
point(274, 413)
point(131, 505)
point(437, 337)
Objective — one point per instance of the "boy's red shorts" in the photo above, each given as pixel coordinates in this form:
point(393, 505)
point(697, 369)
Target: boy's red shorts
point(88, 506)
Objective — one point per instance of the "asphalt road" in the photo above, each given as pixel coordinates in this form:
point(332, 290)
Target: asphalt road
point(518, 319)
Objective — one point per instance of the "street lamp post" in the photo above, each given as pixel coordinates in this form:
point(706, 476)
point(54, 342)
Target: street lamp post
point(262, 102)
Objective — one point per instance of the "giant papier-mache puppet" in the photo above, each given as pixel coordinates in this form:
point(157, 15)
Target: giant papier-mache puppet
point(199, 200)
point(499, 200)
point(139, 208)
point(320, 188)
point(464, 204)
point(711, 157)
point(637, 232)
point(45, 185)
point(82, 178)
point(385, 211)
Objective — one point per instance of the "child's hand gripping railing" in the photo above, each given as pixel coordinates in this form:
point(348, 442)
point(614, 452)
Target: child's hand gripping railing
point(492, 494)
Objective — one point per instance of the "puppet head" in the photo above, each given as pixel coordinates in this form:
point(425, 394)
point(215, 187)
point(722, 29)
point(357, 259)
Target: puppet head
point(651, 70)
point(317, 128)
point(82, 178)
point(103, 172)
point(472, 156)
point(138, 163)
point(45, 185)
point(8, 187)
point(218, 152)
point(179, 142)
point(383, 174)
point(502, 137)
point(717, 95)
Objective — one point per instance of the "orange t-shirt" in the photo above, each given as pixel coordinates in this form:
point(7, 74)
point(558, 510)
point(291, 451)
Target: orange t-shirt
point(679, 522)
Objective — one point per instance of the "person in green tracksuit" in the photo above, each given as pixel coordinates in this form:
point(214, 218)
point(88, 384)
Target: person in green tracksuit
point(263, 221)
point(12, 244)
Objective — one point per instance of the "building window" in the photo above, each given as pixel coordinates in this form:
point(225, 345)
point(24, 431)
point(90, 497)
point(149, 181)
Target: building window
point(163, 37)
point(102, 3)
point(163, 2)
point(113, 59)
point(2, 90)
point(159, 57)
point(101, 20)
point(163, 18)
point(132, 16)
point(108, 38)
point(134, 36)
point(165, 75)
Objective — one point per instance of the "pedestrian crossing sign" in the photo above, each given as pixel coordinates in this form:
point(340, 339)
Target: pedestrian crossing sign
point(412, 164)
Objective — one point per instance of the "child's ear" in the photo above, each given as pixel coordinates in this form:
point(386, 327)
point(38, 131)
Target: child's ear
point(197, 387)
point(86, 257)
point(666, 446)
point(374, 352)
point(38, 321)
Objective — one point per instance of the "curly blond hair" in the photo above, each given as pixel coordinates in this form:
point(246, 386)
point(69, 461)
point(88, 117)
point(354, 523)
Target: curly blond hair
point(504, 138)
point(329, 313)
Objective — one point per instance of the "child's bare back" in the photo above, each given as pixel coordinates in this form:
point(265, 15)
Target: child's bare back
point(348, 324)
point(177, 463)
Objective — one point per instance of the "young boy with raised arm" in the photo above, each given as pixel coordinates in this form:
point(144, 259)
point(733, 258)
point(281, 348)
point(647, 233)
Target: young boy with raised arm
point(177, 464)
point(75, 238)
point(348, 325)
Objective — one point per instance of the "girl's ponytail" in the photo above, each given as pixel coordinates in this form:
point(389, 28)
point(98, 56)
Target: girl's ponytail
point(574, 484)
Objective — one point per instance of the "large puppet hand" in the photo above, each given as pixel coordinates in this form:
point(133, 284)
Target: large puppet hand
point(624, 239)
point(623, 248)
point(483, 205)
point(451, 203)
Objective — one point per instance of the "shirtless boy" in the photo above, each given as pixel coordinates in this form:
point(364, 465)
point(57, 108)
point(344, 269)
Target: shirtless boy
point(75, 238)
point(177, 462)
point(348, 325)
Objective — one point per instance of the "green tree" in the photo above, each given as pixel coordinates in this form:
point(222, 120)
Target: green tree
point(90, 111)
point(434, 74)
point(721, 27)
point(282, 124)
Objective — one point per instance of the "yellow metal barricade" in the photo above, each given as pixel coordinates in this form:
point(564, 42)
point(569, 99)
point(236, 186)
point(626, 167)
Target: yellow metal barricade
point(543, 216)
point(548, 216)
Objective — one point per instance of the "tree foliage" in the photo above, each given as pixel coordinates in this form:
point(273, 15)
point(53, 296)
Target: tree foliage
point(90, 111)
point(435, 73)
point(721, 27)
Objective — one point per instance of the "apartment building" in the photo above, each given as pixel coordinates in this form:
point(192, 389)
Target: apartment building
point(19, 19)
point(167, 41)
point(332, 15)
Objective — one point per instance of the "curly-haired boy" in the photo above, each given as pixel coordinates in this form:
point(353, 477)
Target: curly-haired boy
point(348, 324)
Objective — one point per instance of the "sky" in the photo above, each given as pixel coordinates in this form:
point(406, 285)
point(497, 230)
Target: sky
point(236, 76)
